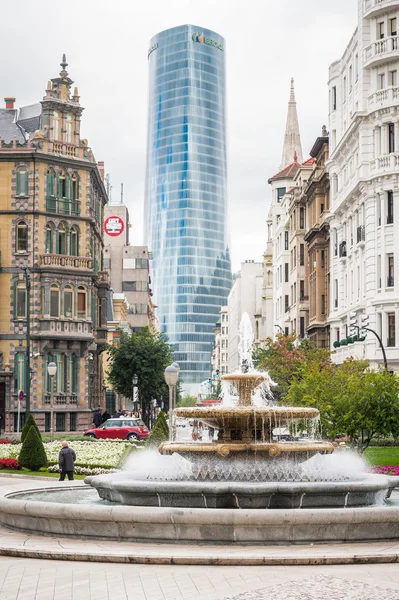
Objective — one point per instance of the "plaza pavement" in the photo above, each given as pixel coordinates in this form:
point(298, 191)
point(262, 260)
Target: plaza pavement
point(238, 572)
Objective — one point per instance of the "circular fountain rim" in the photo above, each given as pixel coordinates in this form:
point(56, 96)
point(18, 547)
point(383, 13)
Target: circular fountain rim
point(286, 412)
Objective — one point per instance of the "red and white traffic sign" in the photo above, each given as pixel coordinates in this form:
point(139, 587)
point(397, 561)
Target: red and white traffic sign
point(114, 226)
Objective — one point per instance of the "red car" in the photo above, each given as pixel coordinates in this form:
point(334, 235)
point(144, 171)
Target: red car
point(119, 429)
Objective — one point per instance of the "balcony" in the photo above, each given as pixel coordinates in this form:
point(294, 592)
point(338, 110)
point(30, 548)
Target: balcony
point(374, 8)
point(57, 261)
point(103, 277)
point(381, 51)
point(385, 164)
point(390, 282)
point(62, 206)
point(360, 234)
point(383, 98)
point(61, 399)
point(53, 327)
point(342, 250)
point(64, 149)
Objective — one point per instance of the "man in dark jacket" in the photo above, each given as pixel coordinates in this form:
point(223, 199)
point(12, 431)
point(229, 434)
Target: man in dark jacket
point(105, 416)
point(66, 461)
point(97, 418)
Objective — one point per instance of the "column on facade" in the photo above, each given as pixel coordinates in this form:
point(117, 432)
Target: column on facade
point(384, 139)
point(396, 129)
point(384, 327)
point(383, 256)
point(377, 136)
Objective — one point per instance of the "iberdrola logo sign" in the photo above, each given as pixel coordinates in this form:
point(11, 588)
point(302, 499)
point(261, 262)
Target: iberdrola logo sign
point(202, 39)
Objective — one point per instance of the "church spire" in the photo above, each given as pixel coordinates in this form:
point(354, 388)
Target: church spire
point(292, 150)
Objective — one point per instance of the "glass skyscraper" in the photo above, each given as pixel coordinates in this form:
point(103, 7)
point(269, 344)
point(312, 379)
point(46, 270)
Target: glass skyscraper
point(186, 191)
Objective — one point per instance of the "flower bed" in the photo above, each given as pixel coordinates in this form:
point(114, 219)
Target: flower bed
point(11, 464)
point(386, 470)
point(104, 454)
point(84, 470)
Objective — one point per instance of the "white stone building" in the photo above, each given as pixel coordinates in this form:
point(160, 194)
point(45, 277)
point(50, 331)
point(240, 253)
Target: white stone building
point(245, 297)
point(364, 176)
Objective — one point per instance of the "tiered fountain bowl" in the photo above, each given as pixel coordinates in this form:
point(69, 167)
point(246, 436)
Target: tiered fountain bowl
point(245, 432)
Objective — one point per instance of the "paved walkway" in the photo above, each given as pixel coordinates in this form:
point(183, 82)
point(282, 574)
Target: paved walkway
point(41, 579)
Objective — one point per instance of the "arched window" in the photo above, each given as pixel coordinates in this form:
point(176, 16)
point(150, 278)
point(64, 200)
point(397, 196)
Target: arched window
point(69, 128)
point(74, 241)
point(56, 126)
point(82, 302)
point(75, 194)
point(22, 182)
point(61, 241)
point(21, 238)
point(20, 300)
point(61, 185)
point(54, 300)
point(49, 247)
point(68, 301)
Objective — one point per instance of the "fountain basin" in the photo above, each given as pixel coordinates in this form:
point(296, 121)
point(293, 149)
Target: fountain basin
point(144, 524)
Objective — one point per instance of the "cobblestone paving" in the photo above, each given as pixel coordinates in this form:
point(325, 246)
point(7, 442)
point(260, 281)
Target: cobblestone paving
point(320, 587)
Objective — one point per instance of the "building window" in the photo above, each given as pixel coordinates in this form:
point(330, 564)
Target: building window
point(280, 193)
point(19, 371)
point(334, 98)
point(286, 270)
point(51, 204)
point(301, 218)
point(54, 300)
point(390, 278)
point(391, 329)
point(323, 258)
point(69, 128)
point(302, 254)
point(286, 302)
point(302, 327)
point(74, 182)
point(393, 78)
point(134, 286)
point(301, 290)
point(380, 30)
point(20, 301)
point(381, 81)
point(22, 421)
point(356, 67)
point(321, 208)
point(335, 293)
point(47, 421)
point(389, 207)
point(323, 304)
point(392, 26)
point(72, 421)
point(56, 125)
point(21, 244)
point(61, 239)
point(344, 90)
point(49, 238)
point(74, 241)
point(60, 421)
point(391, 138)
point(68, 301)
point(22, 182)
point(82, 303)
point(142, 309)
point(285, 240)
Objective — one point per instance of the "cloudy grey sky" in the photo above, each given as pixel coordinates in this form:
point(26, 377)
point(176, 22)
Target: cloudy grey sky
point(106, 42)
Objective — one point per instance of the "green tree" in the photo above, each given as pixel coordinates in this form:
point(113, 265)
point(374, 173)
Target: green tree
point(161, 422)
point(32, 455)
point(187, 401)
point(30, 422)
point(158, 433)
point(351, 398)
point(285, 359)
point(145, 354)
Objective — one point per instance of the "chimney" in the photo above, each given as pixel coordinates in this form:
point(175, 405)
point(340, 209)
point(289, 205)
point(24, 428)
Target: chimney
point(9, 102)
point(100, 166)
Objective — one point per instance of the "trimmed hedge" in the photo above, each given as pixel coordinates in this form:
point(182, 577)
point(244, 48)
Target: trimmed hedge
point(33, 455)
point(30, 422)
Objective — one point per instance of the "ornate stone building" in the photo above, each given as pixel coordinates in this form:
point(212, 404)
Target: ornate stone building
point(52, 199)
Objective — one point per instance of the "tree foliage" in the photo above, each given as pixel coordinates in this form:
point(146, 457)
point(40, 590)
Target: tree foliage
point(285, 359)
point(145, 354)
point(352, 399)
point(32, 455)
point(30, 422)
point(187, 401)
point(159, 433)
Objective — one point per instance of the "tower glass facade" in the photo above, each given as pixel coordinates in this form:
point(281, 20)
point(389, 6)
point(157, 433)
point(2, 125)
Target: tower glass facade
point(186, 191)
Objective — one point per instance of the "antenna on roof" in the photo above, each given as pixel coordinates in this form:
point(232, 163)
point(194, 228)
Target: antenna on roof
point(121, 193)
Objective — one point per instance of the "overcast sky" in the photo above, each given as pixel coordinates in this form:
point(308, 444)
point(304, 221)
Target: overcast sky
point(106, 44)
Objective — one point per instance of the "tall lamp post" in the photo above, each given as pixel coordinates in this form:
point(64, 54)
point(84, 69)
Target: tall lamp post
point(176, 364)
point(134, 385)
point(51, 370)
point(26, 272)
point(281, 329)
point(171, 376)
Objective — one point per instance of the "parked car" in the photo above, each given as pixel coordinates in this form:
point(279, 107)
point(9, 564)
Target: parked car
point(119, 429)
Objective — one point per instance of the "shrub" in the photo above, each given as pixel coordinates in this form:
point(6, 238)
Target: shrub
point(32, 455)
point(30, 422)
point(383, 443)
point(161, 422)
point(11, 464)
point(157, 435)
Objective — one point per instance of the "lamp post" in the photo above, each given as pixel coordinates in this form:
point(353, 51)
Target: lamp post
point(134, 385)
point(177, 366)
point(171, 376)
point(51, 370)
point(26, 272)
point(282, 330)
point(364, 321)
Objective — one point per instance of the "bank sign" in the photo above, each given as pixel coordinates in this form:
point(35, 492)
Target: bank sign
point(202, 39)
point(114, 226)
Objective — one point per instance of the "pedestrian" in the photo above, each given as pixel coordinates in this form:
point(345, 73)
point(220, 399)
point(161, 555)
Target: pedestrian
point(105, 416)
point(97, 418)
point(1, 422)
point(66, 461)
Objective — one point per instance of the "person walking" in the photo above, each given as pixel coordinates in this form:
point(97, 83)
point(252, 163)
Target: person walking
point(97, 418)
point(66, 461)
point(105, 416)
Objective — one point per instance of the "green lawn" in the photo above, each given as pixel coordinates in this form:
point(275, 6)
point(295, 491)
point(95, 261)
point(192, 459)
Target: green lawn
point(383, 456)
point(41, 473)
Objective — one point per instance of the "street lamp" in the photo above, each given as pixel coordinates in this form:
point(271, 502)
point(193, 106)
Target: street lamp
point(51, 370)
point(282, 330)
point(26, 272)
point(134, 384)
point(171, 376)
point(176, 364)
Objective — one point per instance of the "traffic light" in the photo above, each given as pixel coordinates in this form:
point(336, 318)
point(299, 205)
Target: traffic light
point(364, 321)
point(353, 321)
point(210, 382)
point(217, 374)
